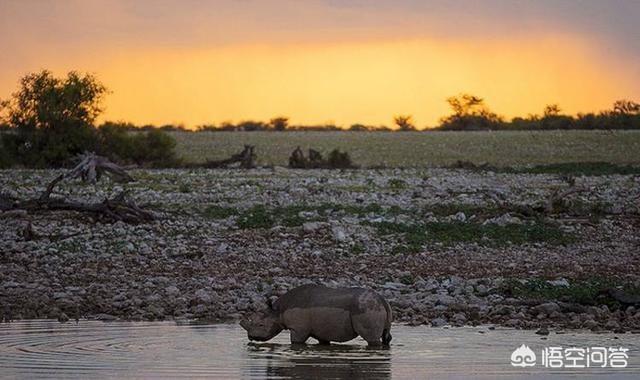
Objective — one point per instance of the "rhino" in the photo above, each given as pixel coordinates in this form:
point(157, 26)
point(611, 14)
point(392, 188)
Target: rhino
point(323, 313)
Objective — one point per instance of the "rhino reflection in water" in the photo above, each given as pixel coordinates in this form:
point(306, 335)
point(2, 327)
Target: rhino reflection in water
point(326, 314)
point(321, 362)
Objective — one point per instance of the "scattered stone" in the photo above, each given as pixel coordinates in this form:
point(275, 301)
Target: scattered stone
point(460, 217)
point(547, 308)
point(543, 331)
point(202, 296)
point(393, 285)
point(14, 214)
point(338, 234)
point(310, 227)
point(559, 282)
point(172, 291)
point(503, 220)
point(438, 322)
point(459, 318)
point(105, 317)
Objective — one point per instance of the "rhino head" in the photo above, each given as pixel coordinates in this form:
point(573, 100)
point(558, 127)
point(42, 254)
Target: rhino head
point(262, 325)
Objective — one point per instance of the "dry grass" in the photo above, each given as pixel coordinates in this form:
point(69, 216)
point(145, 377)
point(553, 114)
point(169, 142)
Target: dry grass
point(503, 148)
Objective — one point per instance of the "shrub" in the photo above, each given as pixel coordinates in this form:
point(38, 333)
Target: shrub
point(48, 148)
point(218, 212)
point(116, 141)
point(359, 128)
point(339, 160)
point(251, 126)
point(404, 123)
point(153, 147)
point(6, 160)
point(450, 233)
point(470, 114)
point(397, 184)
point(279, 123)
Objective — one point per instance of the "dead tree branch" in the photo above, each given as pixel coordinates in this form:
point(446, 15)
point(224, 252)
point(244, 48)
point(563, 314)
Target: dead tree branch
point(246, 159)
point(557, 200)
point(90, 169)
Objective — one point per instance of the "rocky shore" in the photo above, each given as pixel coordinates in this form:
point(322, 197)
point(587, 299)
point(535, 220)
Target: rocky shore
point(445, 247)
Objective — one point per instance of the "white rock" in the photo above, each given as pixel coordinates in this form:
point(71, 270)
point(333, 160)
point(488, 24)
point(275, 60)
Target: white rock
point(393, 285)
point(559, 282)
point(312, 226)
point(202, 296)
point(460, 217)
point(438, 322)
point(172, 290)
point(338, 234)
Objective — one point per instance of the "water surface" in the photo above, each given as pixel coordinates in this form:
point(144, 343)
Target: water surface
point(93, 349)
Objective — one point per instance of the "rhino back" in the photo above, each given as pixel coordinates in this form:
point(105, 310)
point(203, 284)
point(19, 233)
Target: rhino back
point(314, 296)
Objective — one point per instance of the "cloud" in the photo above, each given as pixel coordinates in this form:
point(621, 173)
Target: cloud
point(189, 22)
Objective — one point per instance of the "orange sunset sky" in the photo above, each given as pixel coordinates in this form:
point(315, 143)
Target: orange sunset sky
point(195, 62)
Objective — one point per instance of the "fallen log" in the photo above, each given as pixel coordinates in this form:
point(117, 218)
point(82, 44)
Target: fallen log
point(246, 159)
point(90, 169)
point(117, 208)
point(558, 199)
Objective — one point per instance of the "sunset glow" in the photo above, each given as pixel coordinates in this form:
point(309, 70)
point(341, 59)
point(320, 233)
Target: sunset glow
point(342, 78)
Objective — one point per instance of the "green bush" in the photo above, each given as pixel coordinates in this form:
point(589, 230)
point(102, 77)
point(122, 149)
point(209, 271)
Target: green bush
point(152, 147)
point(50, 120)
point(255, 217)
point(397, 184)
point(218, 212)
point(48, 147)
point(115, 141)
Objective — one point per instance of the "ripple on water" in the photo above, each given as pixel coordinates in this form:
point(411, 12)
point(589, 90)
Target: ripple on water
point(93, 349)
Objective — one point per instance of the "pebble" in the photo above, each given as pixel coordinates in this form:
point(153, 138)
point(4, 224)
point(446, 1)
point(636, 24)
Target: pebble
point(543, 331)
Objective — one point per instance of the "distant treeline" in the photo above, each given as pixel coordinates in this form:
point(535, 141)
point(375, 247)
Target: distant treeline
point(243, 126)
point(469, 114)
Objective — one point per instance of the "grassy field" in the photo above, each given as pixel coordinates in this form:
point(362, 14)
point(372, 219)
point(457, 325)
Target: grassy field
point(503, 148)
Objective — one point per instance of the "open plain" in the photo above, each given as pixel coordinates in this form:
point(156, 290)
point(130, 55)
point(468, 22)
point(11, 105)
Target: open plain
point(423, 149)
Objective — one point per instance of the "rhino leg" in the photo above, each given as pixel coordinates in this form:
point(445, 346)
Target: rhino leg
point(298, 336)
point(370, 327)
